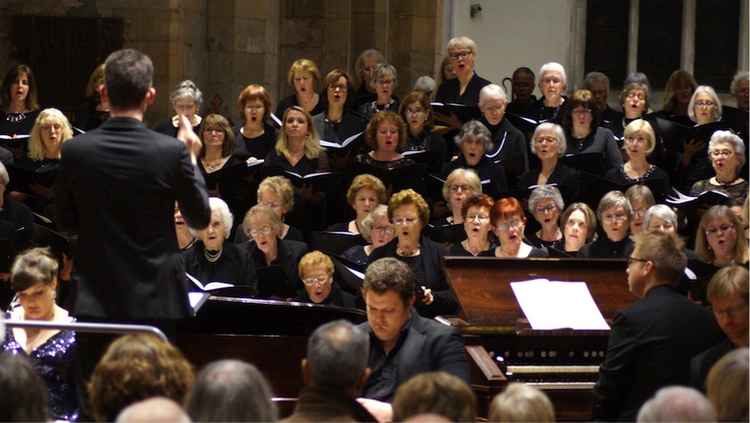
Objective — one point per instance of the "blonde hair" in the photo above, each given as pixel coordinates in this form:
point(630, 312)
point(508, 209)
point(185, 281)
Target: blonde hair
point(261, 211)
point(366, 181)
point(315, 258)
point(36, 145)
point(640, 126)
point(406, 197)
point(280, 186)
point(521, 403)
point(469, 175)
point(312, 142)
point(304, 66)
point(727, 386)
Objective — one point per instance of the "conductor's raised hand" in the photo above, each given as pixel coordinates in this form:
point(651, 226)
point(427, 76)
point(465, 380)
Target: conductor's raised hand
point(186, 134)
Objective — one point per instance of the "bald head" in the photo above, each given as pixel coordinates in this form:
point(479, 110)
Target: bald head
point(677, 404)
point(153, 410)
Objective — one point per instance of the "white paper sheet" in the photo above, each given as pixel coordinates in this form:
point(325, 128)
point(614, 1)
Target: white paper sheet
point(556, 305)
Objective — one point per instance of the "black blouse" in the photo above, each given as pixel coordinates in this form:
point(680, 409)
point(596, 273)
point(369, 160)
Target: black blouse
point(567, 180)
point(291, 100)
point(428, 148)
point(448, 91)
point(257, 147)
point(603, 247)
point(510, 149)
point(491, 175)
point(600, 141)
point(234, 266)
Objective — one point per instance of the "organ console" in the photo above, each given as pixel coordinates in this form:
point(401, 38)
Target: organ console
point(502, 346)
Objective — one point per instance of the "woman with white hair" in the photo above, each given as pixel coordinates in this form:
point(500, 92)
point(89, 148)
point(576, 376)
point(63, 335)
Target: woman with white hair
point(552, 83)
point(662, 218)
point(509, 143)
point(548, 144)
point(186, 100)
point(614, 213)
point(545, 204)
point(473, 141)
point(212, 259)
point(704, 109)
point(464, 89)
point(726, 151)
point(639, 141)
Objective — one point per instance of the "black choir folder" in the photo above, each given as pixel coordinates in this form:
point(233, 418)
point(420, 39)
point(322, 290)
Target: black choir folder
point(706, 199)
point(463, 112)
point(222, 289)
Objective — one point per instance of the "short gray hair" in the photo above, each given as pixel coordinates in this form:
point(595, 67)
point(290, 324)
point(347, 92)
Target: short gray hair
point(660, 211)
point(728, 137)
point(226, 217)
point(365, 227)
point(593, 77)
point(677, 404)
point(384, 69)
point(705, 89)
point(426, 84)
point(263, 211)
point(4, 178)
point(475, 129)
point(462, 42)
point(738, 77)
point(337, 354)
point(553, 67)
point(492, 92)
point(543, 192)
point(614, 199)
point(187, 89)
point(557, 130)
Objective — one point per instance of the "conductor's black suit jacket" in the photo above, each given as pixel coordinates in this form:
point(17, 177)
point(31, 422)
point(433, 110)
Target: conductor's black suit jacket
point(117, 189)
point(650, 347)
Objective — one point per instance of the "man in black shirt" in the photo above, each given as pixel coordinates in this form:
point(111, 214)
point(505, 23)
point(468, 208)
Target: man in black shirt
point(402, 343)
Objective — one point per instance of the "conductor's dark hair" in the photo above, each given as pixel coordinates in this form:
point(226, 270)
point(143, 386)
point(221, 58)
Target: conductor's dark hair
point(390, 274)
point(128, 75)
point(337, 355)
point(230, 390)
point(23, 394)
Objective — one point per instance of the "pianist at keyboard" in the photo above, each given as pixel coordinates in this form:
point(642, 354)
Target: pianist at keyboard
point(652, 342)
point(402, 343)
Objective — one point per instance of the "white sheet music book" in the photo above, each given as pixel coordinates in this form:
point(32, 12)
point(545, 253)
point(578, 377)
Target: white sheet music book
point(557, 305)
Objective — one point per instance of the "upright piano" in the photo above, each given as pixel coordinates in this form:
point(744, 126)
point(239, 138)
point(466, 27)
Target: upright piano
point(503, 348)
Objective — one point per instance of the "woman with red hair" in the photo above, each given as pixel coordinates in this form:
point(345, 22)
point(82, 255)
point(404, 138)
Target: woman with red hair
point(509, 223)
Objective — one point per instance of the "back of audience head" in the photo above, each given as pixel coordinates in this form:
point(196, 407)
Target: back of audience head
point(677, 404)
point(336, 359)
point(23, 394)
point(136, 367)
point(727, 386)
point(153, 410)
point(521, 403)
point(230, 390)
point(728, 294)
point(436, 393)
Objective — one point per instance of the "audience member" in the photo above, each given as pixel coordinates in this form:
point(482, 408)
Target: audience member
point(334, 371)
point(23, 395)
point(437, 393)
point(727, 386)
point(153, 410)
point(521, 403)
point(230, 390)
point(677, 404)
point(134, 368)
point(402, 343)
point(651, 342)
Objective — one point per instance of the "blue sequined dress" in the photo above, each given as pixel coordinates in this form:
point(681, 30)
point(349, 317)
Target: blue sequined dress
point(53, 361)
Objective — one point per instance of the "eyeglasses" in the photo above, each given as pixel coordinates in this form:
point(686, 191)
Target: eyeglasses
point(513, 224)
point(620, 217)
point(478, 218)
point(214, 130)
point(720, 153)
point(460, 54)
point(404, 220)
point(266, 230)
point(720, 230)
point(704, 103)
point(545, 209)
point(636, 95)
point(632, 260)
point(545, 140)
point(340, 87)
point(460, 188)
point(385, 230)
point(320, 280)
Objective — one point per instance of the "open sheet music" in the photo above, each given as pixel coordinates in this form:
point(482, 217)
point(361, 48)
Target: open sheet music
point(558, 305)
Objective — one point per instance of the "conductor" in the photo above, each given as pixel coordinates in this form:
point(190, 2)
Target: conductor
point(117, 190)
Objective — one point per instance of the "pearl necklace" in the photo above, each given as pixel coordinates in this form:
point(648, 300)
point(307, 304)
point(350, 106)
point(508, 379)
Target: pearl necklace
point(212, 257)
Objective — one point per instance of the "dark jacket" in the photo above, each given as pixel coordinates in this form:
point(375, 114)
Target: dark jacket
point(117, 190)
point(701, 364)
point(424, 345)
point(650, 347)
point(280, 279)
point(325, 405)
point(448, 91)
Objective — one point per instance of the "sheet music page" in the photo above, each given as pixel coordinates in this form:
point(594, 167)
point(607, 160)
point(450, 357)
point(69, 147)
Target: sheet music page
point(556, 305)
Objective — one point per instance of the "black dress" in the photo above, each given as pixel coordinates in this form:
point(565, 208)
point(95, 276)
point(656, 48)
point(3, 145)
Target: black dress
point(280, 279)
point(510, 149)
point(600, 141)
point(234, 266)
point(291, 100)
point(603, 247)
point(234, 183)
point(427, 147)
point(491, 175)
point(448, 91)
point(36, 178)
point(533, 240)
point(567, 180)
point(655, 178)
point(257, 147)
point(458, 249)
point(15, 130)
point(541, 113)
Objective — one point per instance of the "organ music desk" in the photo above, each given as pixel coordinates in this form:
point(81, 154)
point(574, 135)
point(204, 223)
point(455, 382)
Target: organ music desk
point(503, 348)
